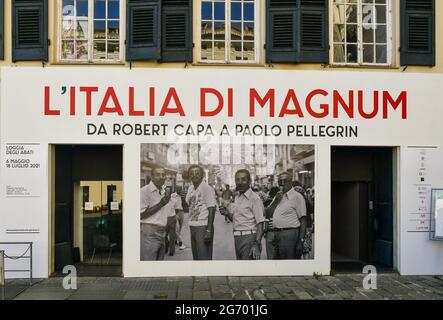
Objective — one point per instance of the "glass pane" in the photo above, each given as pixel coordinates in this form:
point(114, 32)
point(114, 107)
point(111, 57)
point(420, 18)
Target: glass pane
point(99, 50)
point(219, 51)
point(101, 212)
point(339, 14)
point(113, 50)
point(380, 1)
point(113, 9)
point(235, 11)
point(380, 34)
point(352, 56)
point(248, 51)
point(206, 32)
point(339, 33)
point(219, 11)
point(219, 30)
point(206, 53)
point(368, 1)
point(368, 54)
point(368, 33)
point(206, 10)
point(113, 29)
point(99, 30)
point(351, 33)
point(381, 54)
point(368, 14)
point(82, 8)
point(67, 49)
point(68, 8)
point(235, 51)
point(68, 29)
point(351, 14)
point(381, 14)
point(248, 31)
point(99, 9)
point(339, 53)
point(248, 11)
point(236, 31)
point(82, 50)
point(82, 29)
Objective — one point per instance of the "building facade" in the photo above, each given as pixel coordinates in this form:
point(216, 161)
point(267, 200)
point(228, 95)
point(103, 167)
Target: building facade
point(345, 93)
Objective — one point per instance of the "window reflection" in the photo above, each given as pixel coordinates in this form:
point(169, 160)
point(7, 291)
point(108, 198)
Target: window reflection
point(219, 50)
point(360, 31)
point(219, 11)
point(82, 8)
point(113, 9)
point(104, 38)
point(236, 30)
point(219, 30)
point(206, 53)
point(228, 35)
point(236, 51)
point(100, 9)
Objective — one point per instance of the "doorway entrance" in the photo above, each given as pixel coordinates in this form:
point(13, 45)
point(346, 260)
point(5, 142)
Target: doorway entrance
point(87, 193)
point(362, 208)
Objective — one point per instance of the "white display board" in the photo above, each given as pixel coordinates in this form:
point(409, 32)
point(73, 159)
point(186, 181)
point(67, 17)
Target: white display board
point(421, 171)
point(93, 105)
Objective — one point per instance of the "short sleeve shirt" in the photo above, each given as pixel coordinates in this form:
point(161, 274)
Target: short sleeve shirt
point(199, 200)
point(150, 195)
point(176, 203)
point(290, 210)
point(248, 211)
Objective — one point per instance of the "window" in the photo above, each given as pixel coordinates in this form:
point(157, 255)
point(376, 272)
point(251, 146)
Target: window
point(228, 31)
point(90, 31)
point(361, 33)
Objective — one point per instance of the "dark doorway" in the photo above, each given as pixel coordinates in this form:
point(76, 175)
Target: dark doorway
point(362, 211)
point(88, 209)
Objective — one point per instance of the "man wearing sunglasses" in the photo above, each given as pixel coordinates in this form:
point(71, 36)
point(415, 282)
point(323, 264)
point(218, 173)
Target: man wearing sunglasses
point(288, 211)
point(202, 203)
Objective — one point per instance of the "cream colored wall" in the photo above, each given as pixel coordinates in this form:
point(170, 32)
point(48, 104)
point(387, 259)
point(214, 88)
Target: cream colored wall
point(98, 192)
point(78, 218)
point(95, 192)
point(119, 191)
point(53, 36)
point(51, 205)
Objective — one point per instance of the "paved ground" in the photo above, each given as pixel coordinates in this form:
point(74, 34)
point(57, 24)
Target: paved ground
point(224, 248)
point(342, 286)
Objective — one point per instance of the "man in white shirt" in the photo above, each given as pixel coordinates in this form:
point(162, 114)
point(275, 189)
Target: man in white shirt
point(288, 211)
point(247, 217)
point(155, 207)
point(202, 203)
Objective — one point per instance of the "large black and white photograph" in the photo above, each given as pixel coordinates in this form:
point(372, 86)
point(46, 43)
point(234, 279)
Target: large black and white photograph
point(226, 201)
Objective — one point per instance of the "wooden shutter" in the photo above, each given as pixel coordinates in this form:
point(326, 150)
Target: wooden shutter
point(281, 35)
point(313, 30)
point(143, 30)
point(176, 30)
point(417, 19)
point(29, 30)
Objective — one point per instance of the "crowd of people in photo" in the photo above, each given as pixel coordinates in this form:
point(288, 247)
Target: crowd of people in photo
point(283, 215)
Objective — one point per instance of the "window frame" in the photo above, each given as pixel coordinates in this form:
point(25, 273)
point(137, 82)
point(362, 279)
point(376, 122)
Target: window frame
point(227, 60)
point(90, 39)
point(389, 37)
